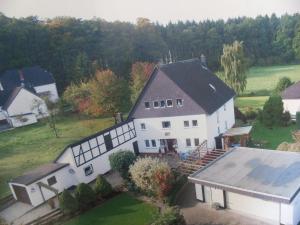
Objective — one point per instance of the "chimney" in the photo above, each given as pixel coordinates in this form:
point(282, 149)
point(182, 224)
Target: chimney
point(203, 60)
point(21, 76)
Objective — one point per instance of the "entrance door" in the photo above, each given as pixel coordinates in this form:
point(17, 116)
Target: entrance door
point(169, 145)
point(136, 148)
point(21, 194)
point(218, 141)
point(108, 142)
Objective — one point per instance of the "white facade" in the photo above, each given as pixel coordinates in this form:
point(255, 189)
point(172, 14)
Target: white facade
point(292, 106)
point(23, 120)
point(208, 127)
point(48, 89)
point(267, 210)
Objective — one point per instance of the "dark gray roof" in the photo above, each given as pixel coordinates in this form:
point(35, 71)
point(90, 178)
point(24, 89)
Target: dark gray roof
point(292, 92)
point(33, 76)
point(198, 82)
point(38, 173)
point(267, 174)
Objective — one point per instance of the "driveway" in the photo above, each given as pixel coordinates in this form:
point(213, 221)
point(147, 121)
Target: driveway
point(197, 213)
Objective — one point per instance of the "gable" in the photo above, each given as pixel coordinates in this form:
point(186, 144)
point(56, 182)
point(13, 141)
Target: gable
point(292, 92)
point(161, 87)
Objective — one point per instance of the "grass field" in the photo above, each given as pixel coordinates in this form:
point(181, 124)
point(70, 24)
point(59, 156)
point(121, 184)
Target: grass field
point(24, 148)
point(256, 102)
point(266, 78)
point(121, 210)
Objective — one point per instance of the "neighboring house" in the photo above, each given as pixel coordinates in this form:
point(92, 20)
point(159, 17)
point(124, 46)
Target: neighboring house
point(182, 105)
point(291, 99)
point(22, 94)
point(261, 183)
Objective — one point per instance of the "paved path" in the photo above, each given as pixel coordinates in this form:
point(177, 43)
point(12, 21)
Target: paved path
point(197, 213)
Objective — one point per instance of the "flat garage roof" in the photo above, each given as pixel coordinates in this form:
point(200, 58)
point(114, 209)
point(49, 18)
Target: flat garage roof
point(267, 174)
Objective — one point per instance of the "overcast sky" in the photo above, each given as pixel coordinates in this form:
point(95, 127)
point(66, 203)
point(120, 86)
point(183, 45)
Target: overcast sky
point(162, 11)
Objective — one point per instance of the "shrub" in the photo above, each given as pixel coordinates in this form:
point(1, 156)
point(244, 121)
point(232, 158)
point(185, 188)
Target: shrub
point(102, 186)
point(67, 203)
point(152, 176)
point(298, 120)
point(272, 111)
point(250, 113)
point(282, 84)
point(286, 118)
point(180, 180)
point(170, 216)
point(120, 161)
point(239, 115)
point(85, 195)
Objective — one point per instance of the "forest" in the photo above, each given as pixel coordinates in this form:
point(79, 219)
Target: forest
point(73, 49)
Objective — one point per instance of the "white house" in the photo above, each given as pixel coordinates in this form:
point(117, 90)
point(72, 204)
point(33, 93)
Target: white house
point(291, 99)
point(261, 183)
point(22, 93)
point(182, 105)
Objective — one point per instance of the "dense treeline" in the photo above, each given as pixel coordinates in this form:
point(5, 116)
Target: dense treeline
point(73, 49)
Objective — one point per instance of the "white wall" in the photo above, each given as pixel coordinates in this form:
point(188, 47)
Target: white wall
point(23, 120)
point(291, 105)
point(24, 103)
point(199, 193)
point(177, 131)
point(48, 88)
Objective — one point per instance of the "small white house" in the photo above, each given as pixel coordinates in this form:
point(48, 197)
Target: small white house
point(291, 99)
point(264, 184)
point(182, 105)
point(22, 93)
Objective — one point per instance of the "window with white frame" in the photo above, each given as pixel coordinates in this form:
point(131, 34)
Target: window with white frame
point(196, 141)
point(166, 124)
point(147, 143)
point(169, 103)
point(88, 170)
point(51, 181)
point(153, 143)
point(186, 123)
point(162, 104)
point(195, 123)
point(179, 102)
point(188, 142)
point(156, 104)
point(143, 126)
point(147, 105)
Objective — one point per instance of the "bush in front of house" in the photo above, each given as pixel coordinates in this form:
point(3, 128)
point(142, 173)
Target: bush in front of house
point(85, 195)
point(163, 179)
point(170, 216)
point(67, 203)
point(102, 186)
point(286, 118)
point(272, 112)
point(121, 161)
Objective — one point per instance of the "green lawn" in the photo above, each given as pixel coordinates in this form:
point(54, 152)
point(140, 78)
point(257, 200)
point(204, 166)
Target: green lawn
point(256, 102)
point(266, 78)
point(24, 148)
point(272, 137)
point(121, 210)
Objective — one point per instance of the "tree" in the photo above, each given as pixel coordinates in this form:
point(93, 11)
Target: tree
point(82, 68)
point(121, 161)
point(140, 73)
point(67, 203)
point(170, 216)
point(282, 84)
point(102, 186)
point(296, 42)
point(298, 120)
point(234, 64)
point(272, 113)
point(85, 195)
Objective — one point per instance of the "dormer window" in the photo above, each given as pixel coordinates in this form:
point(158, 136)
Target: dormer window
point(169, 103)
point(179, 102)
point(156, 104)
point(147, 105)
point(162, 104)
point(213, 87)
point(1, 87)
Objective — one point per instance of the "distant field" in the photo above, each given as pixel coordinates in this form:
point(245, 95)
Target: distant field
point(256, 102)
point(266, 78)
point(24, 148)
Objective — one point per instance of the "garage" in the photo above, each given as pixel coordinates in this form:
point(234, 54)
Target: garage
point(21, 194)
point(261, 183)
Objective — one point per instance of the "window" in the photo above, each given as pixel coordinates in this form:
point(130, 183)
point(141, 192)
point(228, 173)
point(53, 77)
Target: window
point(153, 142)
point(88, 170)
point(188, 142)
point(196, 141)
point(51, 181)
point(166, 124)
point(147, 105)
point(179, 102)
point(162, 104)
point(143, 126)
point(195, 123)
point(169, 103)
point(156, 104)
point(147, 143)
point(186, 123)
